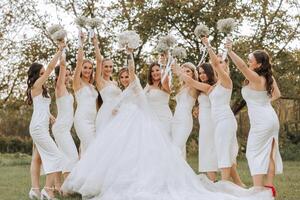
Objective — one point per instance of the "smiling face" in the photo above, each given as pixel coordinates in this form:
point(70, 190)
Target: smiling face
point(87, 70)
point(188, 71)
point(155, 73)
point(252, 62)
point(107, 68)
point(68, 76)
point(124, 78)
point(202, 75)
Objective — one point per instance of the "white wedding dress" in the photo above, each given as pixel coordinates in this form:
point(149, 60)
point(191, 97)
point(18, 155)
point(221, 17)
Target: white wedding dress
point(110, 93)
point(134, 160)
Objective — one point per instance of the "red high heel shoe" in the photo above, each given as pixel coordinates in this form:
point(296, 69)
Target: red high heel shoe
point(272, 188)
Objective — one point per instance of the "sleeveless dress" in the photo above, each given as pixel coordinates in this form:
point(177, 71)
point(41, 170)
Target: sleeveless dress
point(264, 128)
point(159, 102)
point(208, 161)
point(182, 123)
point(85, 115)
point(135, 160)
point(109, 94)
point(225, 126)
point(61, 130)
point(39, 131)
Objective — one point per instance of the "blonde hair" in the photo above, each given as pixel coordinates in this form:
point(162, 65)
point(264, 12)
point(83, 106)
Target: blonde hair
point(192, 67)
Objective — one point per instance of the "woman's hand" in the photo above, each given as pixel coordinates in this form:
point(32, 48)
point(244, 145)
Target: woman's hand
point(52, 119)
point(205, 41)
point(114, 111)
point(228, 45)
point(95, 40)
point(61, 45)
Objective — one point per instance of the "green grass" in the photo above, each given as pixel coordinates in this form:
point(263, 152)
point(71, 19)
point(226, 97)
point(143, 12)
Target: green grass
point(15, 179)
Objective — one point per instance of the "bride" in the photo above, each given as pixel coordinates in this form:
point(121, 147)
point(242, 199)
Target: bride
point(134, 160)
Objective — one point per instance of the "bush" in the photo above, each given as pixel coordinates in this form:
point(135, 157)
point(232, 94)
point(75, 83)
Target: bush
point(14, 144)
point(290, 151)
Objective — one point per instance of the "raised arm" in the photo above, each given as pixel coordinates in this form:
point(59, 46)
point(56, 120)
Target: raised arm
point(60, 83)
point(250, 75)
point(166, 84)
point(204, 87)
point(276, 94)
point(131, 66)
point(99, 58)
point(223, 76)
point(78, 69)
point(40, 81)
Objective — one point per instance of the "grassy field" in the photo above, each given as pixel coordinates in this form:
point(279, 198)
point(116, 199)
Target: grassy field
point(15, 180)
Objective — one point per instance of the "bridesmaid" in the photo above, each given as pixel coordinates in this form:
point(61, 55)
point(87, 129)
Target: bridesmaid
point(207, 150)
point(224, 119)
point(46, 148)
point(107, 88)
point(61, 129)
point(182, 122)
point(86, 96)
point(261, 88)
point(158, 95)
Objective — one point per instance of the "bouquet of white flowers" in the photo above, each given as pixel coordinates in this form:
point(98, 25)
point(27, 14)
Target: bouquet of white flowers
point(58, 34)
point(92, 24)
point(81, 22)
point(165, 43)
point(226, 26)
point(202, 31)
point(128, 40)
point(179, 53)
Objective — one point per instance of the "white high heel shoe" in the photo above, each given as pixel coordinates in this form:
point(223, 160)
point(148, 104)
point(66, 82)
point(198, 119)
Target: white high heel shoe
point(33, 195)
point(45, 195)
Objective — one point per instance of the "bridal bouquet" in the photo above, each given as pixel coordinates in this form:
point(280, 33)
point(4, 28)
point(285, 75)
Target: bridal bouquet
point(179, 53)
point(226, 26)
point(93, 23)
point(128, 40)
point(165, 43)
point(81, 22)
point(57, 32)
point(202, 31)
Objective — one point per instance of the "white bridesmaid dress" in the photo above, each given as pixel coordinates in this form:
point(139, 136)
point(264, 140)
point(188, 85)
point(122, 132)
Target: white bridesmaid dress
point(182, 123)
point(226, 143)
point(208, 161)
point(109, 94)
point(159, 102)
point(134, 160)
point(61, 130)
point(39, 130)
point(85, 115)
point(264, 128)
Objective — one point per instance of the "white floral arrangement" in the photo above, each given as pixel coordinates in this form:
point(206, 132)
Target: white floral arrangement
point(162, 47)
point(201, 30)
point(54, 28)
point(81, 21)
point(226, 25)
point(57, 32)
point(165, 43)
point(179, 53)
point(128, 39)
point(93, 22)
